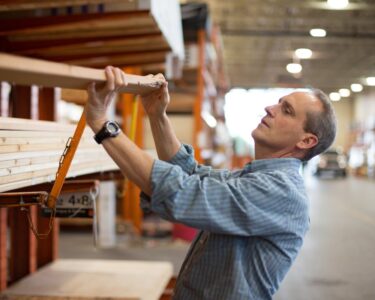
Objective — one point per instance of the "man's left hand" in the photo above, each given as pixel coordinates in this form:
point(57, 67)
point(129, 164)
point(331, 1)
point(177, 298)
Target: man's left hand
point(101, 96)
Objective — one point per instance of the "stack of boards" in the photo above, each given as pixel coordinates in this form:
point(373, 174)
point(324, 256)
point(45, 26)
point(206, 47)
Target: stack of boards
point(30, 152)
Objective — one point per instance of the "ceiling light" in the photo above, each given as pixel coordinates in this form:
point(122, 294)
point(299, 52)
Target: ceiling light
point(344, 92)
point(303, 53)
point(370, 81)
point(335, 96)
point(338, 4)
point(209, 119)
point(294, 68)
point(318, 32)
point(356, 87)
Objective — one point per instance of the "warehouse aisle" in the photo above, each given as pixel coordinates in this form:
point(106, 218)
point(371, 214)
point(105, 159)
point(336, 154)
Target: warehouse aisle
point(337, 261)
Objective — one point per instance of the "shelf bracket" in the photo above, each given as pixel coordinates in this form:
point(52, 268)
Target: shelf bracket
point(22, 199)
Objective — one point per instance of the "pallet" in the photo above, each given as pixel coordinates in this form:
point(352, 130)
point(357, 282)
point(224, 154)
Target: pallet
point(94, 279)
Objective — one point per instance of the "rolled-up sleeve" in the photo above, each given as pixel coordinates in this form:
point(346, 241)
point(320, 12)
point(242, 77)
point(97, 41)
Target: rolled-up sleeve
point(255, 204)
point(186, 161)
point(184, 158)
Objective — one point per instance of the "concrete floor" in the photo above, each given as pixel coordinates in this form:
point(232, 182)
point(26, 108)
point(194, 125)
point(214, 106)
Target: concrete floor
point(337, 261)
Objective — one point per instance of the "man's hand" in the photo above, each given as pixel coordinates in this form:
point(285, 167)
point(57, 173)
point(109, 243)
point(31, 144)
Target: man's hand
point(155, 105)
point(100, 97)
point(156, 102)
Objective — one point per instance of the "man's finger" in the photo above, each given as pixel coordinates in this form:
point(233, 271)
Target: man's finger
point(110, 86)
point(123, 76)
point(160, 76)
point(91, 89)
point(118, 78)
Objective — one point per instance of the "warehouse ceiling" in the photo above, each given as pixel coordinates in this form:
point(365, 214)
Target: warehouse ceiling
point(260, 37)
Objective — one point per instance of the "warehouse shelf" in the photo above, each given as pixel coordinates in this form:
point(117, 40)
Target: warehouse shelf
point(40, 43)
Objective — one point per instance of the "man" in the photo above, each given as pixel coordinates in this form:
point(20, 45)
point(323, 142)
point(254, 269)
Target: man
point(253, 220)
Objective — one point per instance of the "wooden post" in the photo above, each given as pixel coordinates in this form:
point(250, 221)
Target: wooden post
point(1, 98)
point(47, 248)
point(23, 244)
point(4, 98)
point(200, 94)
point(107, 206)
point(107, 215)
point(47, 105)
point(23, 255)
point(4, 103)
point(3, 249)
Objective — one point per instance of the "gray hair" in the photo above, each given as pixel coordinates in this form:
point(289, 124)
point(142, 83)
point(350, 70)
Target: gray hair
point(322, 124)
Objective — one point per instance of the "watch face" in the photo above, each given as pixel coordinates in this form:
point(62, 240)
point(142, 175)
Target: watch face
point(112, 128)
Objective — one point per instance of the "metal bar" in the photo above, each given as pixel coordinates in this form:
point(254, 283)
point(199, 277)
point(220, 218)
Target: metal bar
point(66, 162)
point(22, 199)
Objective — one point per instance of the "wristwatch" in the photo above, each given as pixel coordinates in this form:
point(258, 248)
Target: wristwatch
point(109, 129)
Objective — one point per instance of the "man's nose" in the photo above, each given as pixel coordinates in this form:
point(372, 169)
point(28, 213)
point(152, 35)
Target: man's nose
point(270, 110)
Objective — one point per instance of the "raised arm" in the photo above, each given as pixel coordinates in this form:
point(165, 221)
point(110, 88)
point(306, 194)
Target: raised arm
point(155, 105)
point(133, 162)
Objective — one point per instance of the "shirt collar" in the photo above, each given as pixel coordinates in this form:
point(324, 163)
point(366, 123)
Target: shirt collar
point(273, 164)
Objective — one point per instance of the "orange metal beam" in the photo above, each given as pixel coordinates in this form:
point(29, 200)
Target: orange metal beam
point(66, 161)
point(133, 112)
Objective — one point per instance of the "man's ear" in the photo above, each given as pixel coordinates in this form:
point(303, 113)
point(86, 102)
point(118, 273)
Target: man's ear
point(309, 141)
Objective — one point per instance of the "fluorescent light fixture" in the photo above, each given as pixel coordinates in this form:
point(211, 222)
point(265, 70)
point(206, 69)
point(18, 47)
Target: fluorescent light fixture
point(209, 119)
point(303, 53)
point(344, 92)
point(356, 87)
point(335, 96)
point(338, 4)
point(370, 81)
point(318, 32)
point(294, 68)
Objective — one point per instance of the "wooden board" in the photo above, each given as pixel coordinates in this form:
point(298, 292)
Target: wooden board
point(99, 48)
point(50, 170)
point(110, 166)
point(126, 59)
point(28, 71)
point(96, 279)
point(38, 154)
point(77, 25)
point(30, 152)
point(44, 158)
point(27, 125)
point(76, 96)
point(41, 147)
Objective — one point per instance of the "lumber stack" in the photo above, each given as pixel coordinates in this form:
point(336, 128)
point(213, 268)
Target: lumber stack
point(92, 279)
point(30, 152)
point(137, 32)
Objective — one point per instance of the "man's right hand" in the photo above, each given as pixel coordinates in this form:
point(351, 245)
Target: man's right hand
point(155, 103)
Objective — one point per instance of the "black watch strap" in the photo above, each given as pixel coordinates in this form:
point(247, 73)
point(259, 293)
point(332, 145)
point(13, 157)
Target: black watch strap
point(109, 129)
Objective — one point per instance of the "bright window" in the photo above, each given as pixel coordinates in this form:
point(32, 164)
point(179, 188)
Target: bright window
point(245, 108)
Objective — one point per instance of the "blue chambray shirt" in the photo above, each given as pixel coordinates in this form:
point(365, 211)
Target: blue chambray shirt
point(252, 223)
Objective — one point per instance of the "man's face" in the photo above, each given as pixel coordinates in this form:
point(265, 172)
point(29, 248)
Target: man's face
point(282, 127)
